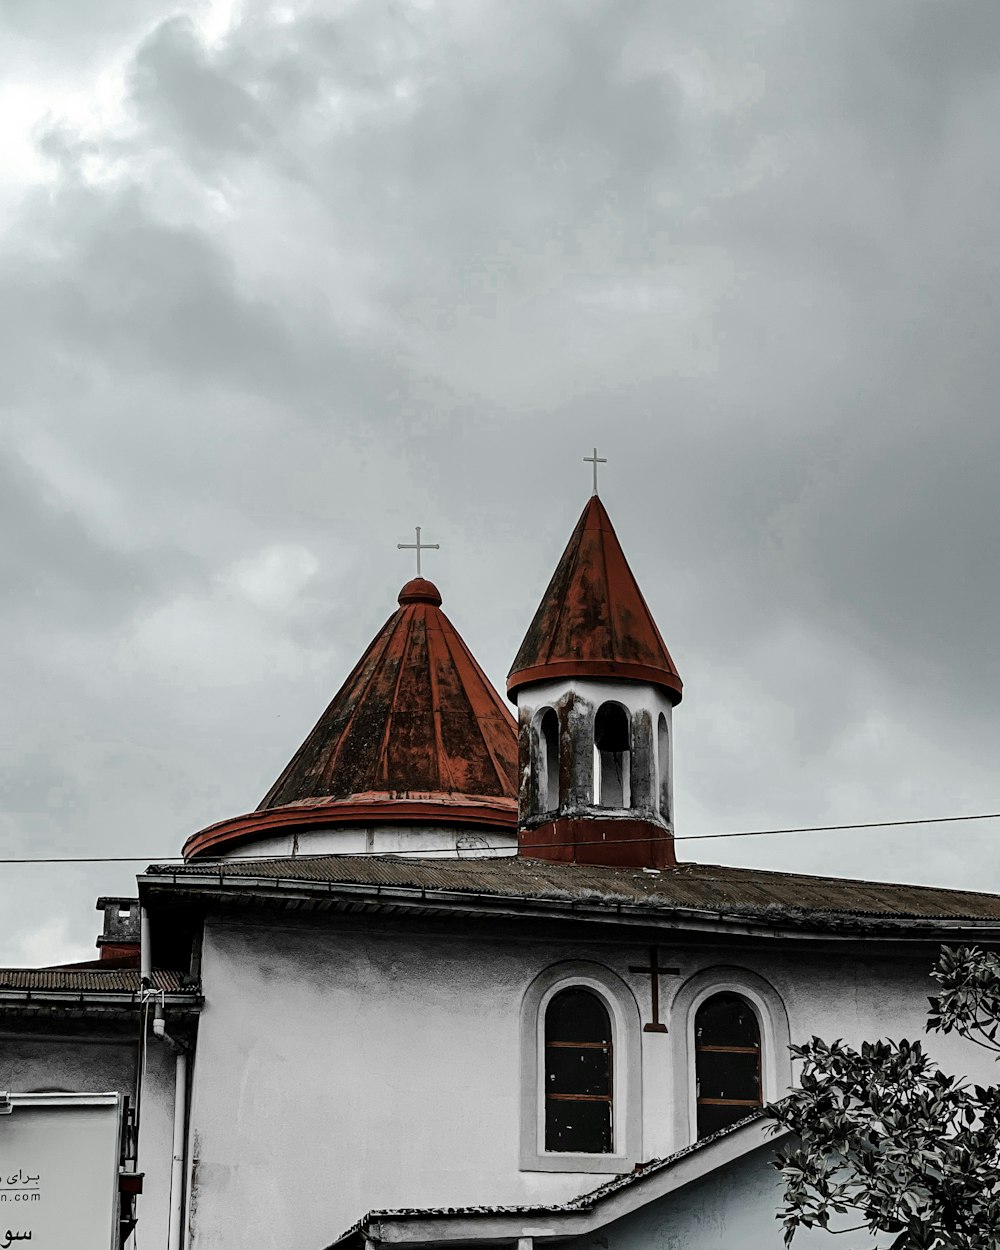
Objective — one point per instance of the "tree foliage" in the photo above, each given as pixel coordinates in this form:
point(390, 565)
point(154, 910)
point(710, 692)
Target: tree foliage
point(889, 1143)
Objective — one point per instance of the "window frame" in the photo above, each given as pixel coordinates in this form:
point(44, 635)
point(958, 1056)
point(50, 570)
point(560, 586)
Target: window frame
point(772, 1024)
point(750, 1105)
point(626, 1071)
point(608, 1047)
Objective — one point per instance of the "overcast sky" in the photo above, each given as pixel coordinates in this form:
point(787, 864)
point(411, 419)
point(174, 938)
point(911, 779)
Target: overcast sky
point(279, 281)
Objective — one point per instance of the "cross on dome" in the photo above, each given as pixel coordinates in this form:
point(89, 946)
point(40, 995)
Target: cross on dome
point(595, 460)
point(418, 546)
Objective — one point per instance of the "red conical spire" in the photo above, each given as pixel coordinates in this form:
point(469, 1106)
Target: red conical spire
point(592, 620)
point(417, 715)
point(416, 735)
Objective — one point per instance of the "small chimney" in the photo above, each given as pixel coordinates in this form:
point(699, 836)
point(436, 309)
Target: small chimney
point(120, 939)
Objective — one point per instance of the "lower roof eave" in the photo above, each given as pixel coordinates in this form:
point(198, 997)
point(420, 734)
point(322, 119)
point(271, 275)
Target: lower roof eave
point(580, 1216)
point(126, 1002)
point(826, 926)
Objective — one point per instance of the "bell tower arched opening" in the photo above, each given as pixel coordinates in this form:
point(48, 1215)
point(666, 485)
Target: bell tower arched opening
point(612, 756)
point(546, 746)
point(663, 767)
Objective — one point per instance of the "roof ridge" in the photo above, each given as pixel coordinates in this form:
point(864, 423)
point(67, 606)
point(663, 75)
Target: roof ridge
point(445, 773)
point(602, 515)
point(403, 614)
point(368, 652)
point(459, 654)
point(581, 525)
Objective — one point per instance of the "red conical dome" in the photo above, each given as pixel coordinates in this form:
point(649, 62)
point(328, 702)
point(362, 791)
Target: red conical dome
point(592, 620)
point(416, 735)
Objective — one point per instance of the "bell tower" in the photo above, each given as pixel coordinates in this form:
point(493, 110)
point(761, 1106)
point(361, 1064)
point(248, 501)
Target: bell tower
point(595, 689)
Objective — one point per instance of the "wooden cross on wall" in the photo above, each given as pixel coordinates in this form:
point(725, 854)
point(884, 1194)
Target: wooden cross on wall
point(655, 971)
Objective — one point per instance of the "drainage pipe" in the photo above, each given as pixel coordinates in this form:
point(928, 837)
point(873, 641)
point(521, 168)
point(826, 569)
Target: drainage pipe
point(177, 1153)
point(179, 1137)
point(145, 948)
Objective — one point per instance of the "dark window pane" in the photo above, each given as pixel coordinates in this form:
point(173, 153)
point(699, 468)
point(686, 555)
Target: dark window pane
point(572, 1071)
point(725, 1075)
point(576, 1015)
point(578, 1061)
point(727, 1060)
point(726, 1020)
point(712, 1118)
point(583, 1127)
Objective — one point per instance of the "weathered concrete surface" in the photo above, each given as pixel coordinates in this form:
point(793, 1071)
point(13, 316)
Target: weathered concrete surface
point(363, 1064)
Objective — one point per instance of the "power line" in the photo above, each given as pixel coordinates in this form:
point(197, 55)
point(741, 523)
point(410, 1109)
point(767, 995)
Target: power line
point(872, 824)
point(449, 850)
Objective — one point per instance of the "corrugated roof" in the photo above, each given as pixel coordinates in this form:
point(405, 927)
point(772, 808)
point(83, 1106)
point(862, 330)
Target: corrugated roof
point(88, 980)
point(699, 887)
point(415, 734)
point(592, 620)
point(417, 715)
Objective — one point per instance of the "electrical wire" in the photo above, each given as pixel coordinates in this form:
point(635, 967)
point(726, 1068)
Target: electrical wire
point(450, 850)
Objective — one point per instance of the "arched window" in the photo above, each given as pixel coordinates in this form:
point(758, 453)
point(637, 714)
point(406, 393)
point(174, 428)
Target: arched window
point(727, 1061)
point(663, 763)
point(612, 747)
point(548, 761)
point(578, 1073)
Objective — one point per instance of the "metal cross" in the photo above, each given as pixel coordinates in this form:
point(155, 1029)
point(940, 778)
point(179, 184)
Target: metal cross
point(595, 460)
point(418, 546)
point(655, 971)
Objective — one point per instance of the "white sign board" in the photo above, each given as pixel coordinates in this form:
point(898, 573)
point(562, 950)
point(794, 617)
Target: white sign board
point(59, 1158)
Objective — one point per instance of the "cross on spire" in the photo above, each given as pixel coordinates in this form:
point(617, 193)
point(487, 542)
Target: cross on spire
point(595, 460)
point(418, 546)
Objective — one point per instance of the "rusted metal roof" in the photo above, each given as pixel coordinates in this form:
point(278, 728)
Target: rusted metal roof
point(416, 734)
point(416, 714)
point(592, 620)
point(790, 898)
point(87, 980)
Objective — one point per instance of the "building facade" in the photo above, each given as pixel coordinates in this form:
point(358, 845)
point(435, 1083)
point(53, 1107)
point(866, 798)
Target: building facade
point(448, 982)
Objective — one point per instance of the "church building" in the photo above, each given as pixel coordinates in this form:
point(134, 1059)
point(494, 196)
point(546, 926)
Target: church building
point(449, 983)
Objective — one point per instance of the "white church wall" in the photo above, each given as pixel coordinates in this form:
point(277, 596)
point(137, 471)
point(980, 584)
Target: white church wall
point(822, 993)
point(733, 1206)
point(155, 1144)
point(379, 839)
point(89, 1064)
point(341, 1069)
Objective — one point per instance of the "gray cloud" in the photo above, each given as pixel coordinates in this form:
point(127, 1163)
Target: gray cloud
point(328, 275)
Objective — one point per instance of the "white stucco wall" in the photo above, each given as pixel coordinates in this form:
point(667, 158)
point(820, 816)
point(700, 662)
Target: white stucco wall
point(96, 1063)
point(380, 839)
point(346, 1066)
point(733, 1207)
